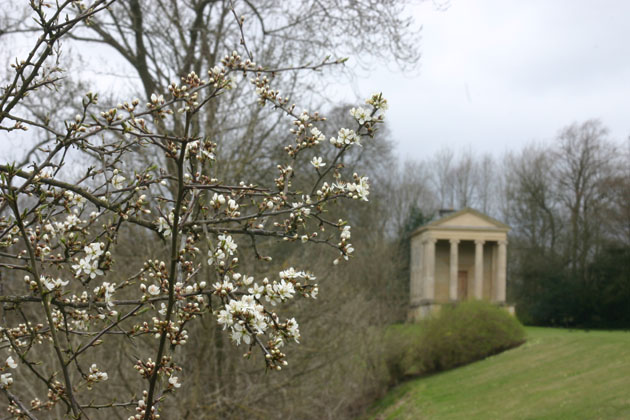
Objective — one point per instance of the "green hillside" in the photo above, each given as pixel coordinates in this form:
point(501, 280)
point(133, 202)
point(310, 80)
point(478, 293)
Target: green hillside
point(556, 374)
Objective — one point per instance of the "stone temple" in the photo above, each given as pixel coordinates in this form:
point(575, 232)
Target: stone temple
point(461, 256)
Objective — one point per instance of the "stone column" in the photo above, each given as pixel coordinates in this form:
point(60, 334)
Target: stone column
point(417, 270)
point(429, 265)
point(501, 271)
point(479, 269)
point(413, 266)
point(454, 264)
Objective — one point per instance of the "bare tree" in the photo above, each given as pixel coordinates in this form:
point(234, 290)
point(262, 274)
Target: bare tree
point(583, 164)
point(66, 233)
point(442, 168)
point(465, 180)
point(409, 191)
point(617, 214)
point(487, 184)
point(531, 198)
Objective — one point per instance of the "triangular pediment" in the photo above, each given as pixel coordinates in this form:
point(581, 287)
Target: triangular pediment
point(468, 218)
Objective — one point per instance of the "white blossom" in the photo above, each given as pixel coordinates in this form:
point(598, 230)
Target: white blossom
point(256, 290)
point(238, 333)
point(317, 135)
point(164, 227)
point(71, 221)
point(362, 115)
point(52, 284)
point(174, 382)
point(117, 181)
point(11, 363)
point(5, 380)
point(96, 375)
point(293, 329)
point(378, 102)
point(108, 290)
point(223, 288)
point(317, 162)
point(92, 270)
point(346, 137)
point(94, 250)
point(163, 309)
point(345, 233)
point(217, 200)
point(225, 318)
point(228, 243)
point(157, 99)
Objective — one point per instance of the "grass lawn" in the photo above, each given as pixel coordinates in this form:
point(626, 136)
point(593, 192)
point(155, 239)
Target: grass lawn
point(556, 374)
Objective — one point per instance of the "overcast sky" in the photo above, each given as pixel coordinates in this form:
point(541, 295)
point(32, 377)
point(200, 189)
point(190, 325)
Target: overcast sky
point(497, 74)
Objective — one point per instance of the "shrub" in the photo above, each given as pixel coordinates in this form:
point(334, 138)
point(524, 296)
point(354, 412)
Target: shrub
point(465, 333)
point(401, 340)
point(458, 335)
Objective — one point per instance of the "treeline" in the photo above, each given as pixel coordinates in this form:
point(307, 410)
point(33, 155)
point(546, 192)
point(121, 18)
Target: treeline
point(568, 203)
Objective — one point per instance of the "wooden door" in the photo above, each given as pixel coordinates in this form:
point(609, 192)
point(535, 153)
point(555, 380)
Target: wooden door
point(462, 285)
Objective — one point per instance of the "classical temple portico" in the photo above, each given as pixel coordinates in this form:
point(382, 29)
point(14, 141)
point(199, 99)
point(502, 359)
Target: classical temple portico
point(457, 257)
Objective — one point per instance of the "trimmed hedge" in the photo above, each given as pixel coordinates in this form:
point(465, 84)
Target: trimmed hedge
point(465, 333)
point(458, 335)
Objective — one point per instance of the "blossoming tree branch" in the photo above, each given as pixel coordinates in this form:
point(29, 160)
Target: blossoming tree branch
point(59, 229)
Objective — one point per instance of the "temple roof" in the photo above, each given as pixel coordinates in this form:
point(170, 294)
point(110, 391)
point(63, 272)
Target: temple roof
point(464, 219)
